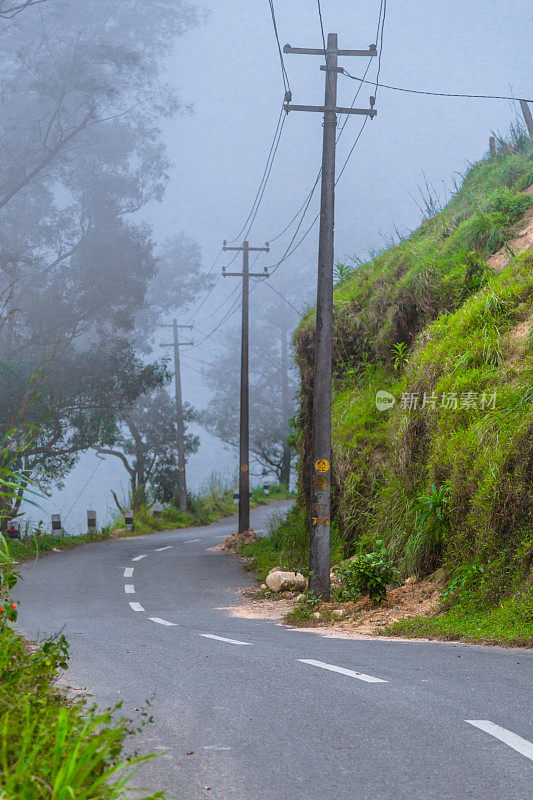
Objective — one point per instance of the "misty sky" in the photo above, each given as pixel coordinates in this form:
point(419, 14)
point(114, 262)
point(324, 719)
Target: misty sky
point(228, 72)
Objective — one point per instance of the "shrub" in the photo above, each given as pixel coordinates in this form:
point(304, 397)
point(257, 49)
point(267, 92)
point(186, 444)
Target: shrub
point(367, 574)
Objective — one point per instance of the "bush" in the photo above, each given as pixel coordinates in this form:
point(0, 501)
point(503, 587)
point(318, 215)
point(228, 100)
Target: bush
point(367, 574)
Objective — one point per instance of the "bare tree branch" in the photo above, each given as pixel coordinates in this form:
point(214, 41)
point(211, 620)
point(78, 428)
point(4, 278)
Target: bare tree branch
point(118, 454)
point(8, 9)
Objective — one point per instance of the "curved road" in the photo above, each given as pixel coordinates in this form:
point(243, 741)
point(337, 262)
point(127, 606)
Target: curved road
point(249, 710)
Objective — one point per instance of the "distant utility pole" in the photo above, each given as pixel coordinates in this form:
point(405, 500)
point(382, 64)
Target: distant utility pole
point(319, 523)
point(526, 111)
point(180, 426)
point(244, 436)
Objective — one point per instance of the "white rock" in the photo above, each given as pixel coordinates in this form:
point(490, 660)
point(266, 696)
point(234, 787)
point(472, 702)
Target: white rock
point(284, 581)
point(299, 598)
point(263, 586)
point(316, 615)
point(338, 613)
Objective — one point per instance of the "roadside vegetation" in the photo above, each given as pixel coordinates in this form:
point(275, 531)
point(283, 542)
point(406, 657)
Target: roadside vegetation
point(52, 746)
point(442, 320)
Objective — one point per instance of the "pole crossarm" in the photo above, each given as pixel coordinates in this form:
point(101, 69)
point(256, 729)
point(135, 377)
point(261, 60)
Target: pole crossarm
point(265, 249)
point(319, 51)
point(369, 112)
point(180, 344)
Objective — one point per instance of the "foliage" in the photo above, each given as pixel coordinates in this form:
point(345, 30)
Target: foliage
point(400, 355)
point(366, 574)
point(82, 281)
point(341, 273)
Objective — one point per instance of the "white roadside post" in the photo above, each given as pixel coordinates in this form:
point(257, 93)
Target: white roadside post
point(91, 521)
point(157, 509)
point(56, 523)
point(128, 519)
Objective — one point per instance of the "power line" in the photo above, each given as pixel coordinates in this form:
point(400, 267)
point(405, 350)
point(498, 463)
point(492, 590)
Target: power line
point(283, 298)
point(433, 94)
point(305, 206)
point(382, 10)
point(266, 173)
point(323, 39)
point(197, 309)
point(259, 201)
point(309, 196)
point(352, 149)
point(286, 84)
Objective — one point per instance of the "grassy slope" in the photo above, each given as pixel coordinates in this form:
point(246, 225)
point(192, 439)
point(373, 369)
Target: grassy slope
point(442, 486)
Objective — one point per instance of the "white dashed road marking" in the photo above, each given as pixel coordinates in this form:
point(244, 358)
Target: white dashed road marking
point(138, 558)
point(215, 747)
point(222, 638)
point(136, 607)
point(129, 588)
point(162, 621)
point(160, 549)
point(128, 572)
point(190, 541)
point(507, 737)
point(350, 672)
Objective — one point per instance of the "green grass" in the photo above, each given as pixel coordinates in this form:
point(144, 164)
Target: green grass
point(505, 625)
point(53, 748)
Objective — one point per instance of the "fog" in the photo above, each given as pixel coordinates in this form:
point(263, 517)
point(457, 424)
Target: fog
point(166, 165)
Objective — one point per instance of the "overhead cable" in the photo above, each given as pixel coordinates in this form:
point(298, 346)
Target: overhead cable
point(435, 94)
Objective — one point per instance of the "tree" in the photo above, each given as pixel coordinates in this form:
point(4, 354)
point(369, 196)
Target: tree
point(147, 444)
point(81, 156)
point(272, 392)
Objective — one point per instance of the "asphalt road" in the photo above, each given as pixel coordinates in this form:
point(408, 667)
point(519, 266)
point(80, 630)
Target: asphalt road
point(249, 710)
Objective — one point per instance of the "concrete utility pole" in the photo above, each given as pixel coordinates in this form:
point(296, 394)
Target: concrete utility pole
point(319, 523)
point(526, 111)
point(244, 435)
point(180, 426)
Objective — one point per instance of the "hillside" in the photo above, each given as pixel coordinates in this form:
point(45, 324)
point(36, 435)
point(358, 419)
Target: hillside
point(443, 475)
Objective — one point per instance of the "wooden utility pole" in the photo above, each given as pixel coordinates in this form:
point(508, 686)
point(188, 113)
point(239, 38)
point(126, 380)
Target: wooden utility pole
point(319, 523)
point(180, 426)
point(526, 111)
point(244, 434)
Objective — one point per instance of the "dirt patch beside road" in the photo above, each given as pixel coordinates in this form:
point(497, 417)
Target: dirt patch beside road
point(359, 619)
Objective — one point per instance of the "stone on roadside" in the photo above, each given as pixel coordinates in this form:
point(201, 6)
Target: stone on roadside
point(338, 613)
point(316, 615)
point(285, 581)
point(263, 586)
